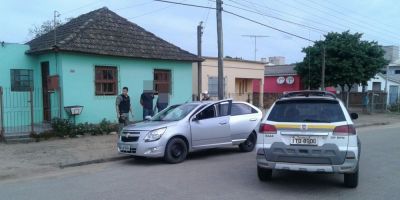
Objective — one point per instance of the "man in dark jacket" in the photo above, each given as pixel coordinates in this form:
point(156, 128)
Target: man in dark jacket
point(146, 100)
point(123, 107)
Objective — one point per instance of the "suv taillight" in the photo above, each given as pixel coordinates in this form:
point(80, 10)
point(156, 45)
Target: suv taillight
point(344, 130)
point(267, 129)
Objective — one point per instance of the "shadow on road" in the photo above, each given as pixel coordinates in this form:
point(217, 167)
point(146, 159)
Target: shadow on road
point(298, 181)
point(197, 155)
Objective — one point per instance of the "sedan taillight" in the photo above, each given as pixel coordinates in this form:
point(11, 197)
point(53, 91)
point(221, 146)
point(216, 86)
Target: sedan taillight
point(267, 129)
point(344, 130)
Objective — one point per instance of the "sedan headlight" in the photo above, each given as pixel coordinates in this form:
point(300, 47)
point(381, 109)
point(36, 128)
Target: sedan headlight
point(154, 135)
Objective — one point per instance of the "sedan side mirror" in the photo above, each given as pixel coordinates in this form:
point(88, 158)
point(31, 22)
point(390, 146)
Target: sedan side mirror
point(147, 118)
point(354, 116)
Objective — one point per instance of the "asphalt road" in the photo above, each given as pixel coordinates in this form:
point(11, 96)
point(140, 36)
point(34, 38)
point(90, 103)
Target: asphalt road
point(218, 174)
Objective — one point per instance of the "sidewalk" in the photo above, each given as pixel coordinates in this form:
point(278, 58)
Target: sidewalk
point(20, 160)
point(376, 119)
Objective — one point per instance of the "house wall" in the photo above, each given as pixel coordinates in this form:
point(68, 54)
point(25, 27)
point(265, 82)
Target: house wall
point(16, 103)
point(79, 88)
point(16, 106)
point(233, 70)
point(271, 86)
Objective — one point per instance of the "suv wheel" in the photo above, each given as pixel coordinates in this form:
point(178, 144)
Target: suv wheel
point(249, 144)
point(264, 174)
point(175, 151)
point(351, 180)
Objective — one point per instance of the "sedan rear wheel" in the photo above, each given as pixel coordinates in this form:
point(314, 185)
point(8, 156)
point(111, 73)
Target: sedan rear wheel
point(175, 151)
point(249, 144)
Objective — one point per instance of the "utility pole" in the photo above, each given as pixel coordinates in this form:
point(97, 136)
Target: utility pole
point(56, 14)
point(199, 70)
point(323, 68)
point(255, 43)
point(220, 51)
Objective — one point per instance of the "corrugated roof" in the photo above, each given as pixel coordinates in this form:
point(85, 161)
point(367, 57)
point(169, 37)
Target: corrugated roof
point(104, 32)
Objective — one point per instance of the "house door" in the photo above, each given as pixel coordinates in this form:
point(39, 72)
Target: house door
point(46, 94)
point(393, 94)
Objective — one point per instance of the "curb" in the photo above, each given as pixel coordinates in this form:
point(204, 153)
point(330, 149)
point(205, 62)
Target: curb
point(372, 124)
point(96, 161)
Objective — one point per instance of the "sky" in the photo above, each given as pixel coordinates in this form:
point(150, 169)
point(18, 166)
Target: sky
point(378, 20)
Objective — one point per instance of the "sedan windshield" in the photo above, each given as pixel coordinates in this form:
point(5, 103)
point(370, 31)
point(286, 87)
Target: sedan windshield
point(174, 113)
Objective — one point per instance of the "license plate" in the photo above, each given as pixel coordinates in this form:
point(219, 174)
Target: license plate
point(125, 148)
point(303, 140)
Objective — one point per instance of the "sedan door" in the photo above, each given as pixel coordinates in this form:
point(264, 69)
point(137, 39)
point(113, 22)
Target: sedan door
point(244, 119)
point(210, 127)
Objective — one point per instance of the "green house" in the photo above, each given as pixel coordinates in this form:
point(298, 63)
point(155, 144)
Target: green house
point(86, 62)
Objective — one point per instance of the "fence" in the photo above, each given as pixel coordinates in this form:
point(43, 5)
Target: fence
point(371, 101)
point(22, 112)
point(375, 102)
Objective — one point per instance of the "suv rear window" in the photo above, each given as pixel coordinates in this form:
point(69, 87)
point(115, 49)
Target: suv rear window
point(309, 110)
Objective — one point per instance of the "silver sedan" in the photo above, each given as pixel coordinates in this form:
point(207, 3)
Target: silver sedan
point(180, 129)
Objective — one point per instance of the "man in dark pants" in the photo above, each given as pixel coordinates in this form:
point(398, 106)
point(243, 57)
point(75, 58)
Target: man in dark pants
point(146, 100)
point(162, 101)
point(123, 107)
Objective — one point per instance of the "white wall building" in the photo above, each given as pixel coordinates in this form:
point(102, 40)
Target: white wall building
point(378, 83)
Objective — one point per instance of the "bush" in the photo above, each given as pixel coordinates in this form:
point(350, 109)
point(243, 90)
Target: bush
point(62, 127)
point(65, 128)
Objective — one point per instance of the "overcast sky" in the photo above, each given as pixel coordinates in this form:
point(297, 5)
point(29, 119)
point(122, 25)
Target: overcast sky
point(379, 20)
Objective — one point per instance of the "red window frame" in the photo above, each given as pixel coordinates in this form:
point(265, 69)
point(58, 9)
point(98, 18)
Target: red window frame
point(106, 80)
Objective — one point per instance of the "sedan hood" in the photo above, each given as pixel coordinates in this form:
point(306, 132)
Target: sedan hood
point(150, 125)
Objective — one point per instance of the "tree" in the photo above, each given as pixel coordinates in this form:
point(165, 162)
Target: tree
point(348, 61)
point(46, 27)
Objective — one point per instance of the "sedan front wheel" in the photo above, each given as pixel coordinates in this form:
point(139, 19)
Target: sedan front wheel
point(175, 151)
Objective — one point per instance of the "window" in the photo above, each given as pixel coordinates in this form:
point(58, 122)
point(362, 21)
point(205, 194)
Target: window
point(316, 111)
point(21, 79)
point(242, 109)
point(396, 71)
point(242, 86)
point(222, 109)
point(162, 81)
point(213, 86)
point(207, 113)
point(106, 80)
point(376, 86)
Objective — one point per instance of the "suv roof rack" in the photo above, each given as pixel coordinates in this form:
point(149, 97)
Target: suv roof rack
point(307, 93)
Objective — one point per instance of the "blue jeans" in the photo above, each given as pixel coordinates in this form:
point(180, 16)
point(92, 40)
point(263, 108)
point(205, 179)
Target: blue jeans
point(147, 112)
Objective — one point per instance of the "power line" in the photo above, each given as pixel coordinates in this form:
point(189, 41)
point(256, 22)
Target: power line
point(262, 24)
point(344, 18)
point(280, 12)
point(347, 26)
point(132, 6)
point(359, 16)
point(186, 4)
point(156, 10)
point(84, 6)
point(277, 18)
point(240, 16)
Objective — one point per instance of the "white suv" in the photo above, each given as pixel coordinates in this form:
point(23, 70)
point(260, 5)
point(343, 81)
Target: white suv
point(308, 131)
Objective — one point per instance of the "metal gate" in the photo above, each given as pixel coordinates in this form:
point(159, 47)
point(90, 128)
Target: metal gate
point(21, 112)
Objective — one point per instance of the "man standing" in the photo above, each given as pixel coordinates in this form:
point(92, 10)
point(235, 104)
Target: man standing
point(146, 100)
point(123, 107)
point(162, 101)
